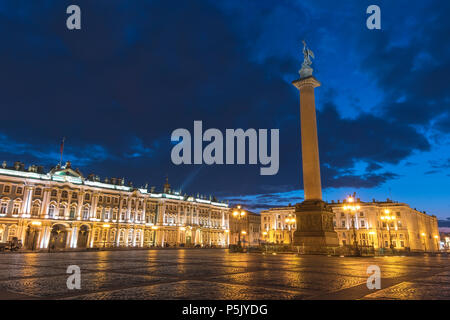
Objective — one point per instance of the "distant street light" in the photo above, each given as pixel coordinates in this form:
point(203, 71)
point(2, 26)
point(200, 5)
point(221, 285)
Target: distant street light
point(372, 233)
point(239, 215)
point(437, 242)
point(290, 223)
point(353, 208)
point(389, 218)
point(424, 241)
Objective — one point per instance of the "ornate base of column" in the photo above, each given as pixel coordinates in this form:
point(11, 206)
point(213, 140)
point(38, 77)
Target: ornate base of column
point(315, 232)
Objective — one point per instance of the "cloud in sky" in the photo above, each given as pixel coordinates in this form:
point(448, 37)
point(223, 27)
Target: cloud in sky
point(137, 70)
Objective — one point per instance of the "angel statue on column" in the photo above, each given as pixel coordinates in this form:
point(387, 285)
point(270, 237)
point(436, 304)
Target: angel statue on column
point(306, 70)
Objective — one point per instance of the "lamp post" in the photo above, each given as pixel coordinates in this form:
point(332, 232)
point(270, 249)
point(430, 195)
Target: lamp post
point(227, 241)
point(372, 233)
point(239, 214)
point(265, 236)
point(290, 223)
point(353, 210)
point(424, 241)
point(437, 242)
point(243, 234)
point(389, 218)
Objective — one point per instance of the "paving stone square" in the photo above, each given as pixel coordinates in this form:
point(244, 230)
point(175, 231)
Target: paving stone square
point(218, 274)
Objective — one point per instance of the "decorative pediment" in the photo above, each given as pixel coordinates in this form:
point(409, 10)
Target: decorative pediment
point(66, 171)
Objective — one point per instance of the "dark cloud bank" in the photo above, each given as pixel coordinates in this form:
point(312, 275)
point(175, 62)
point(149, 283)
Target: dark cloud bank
point(138, 70)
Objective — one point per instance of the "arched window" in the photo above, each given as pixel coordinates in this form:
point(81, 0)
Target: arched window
point(87, 197)
point(64, 194)
point(51, 210)
point(86, 213)
point(99, 213)
point(112, 235)
point(62, 210)
point(122, 235)
point(12, 231)
point(130, 236)
point(107, 212)
point(4, 207)
point(16, 208)
point(72, 212)
point(38, 192)
point(54, 193)
point(96, 234)
point(147, 236)
point(138, 237)
point(35, 209)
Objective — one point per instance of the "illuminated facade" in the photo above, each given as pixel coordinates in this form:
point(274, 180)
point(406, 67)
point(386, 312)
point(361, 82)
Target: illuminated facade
point(62, 209)
point(445, 241)
point(247, 225)
point(385, 224)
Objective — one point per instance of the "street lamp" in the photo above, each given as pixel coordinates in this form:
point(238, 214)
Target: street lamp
point(389, 218)
point(424, 241)
point(243, 235)
point(290, 222)
point(239, 215)
point(437, 242)
point(353, 208)
point(372, 233)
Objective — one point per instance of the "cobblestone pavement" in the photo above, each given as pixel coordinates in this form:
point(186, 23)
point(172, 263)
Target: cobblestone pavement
point(218, 274)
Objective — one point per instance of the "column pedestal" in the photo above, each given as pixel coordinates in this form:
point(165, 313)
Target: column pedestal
point(315, 232)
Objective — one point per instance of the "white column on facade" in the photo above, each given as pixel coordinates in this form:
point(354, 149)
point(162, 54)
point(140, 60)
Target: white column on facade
point(161, 213)
point(45, 202)
point(120, 208)
point(80, 204)
point(128, 214)
point(209, 218)
point(73, 242)
point(69, 237)
point(125, 237)
point(144, 211)
point(94, 202)
point(142, 238)
point(91, 237)
point(134, 237)
point(58, 214)
point(26, 205)
point(118, 237)
point(45, 237)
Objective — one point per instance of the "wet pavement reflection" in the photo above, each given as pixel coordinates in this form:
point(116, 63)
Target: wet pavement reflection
point(218, 274)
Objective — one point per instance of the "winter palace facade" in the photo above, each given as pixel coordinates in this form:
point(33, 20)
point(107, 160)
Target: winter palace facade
point(62, 209)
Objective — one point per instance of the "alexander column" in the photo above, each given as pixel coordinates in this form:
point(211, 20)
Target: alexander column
point(315, 232)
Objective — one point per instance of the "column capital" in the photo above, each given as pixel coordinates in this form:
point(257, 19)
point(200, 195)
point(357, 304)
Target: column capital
point(310, 81)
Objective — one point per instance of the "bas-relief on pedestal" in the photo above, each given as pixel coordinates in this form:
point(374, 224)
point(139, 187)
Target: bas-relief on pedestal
point(315, 232)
